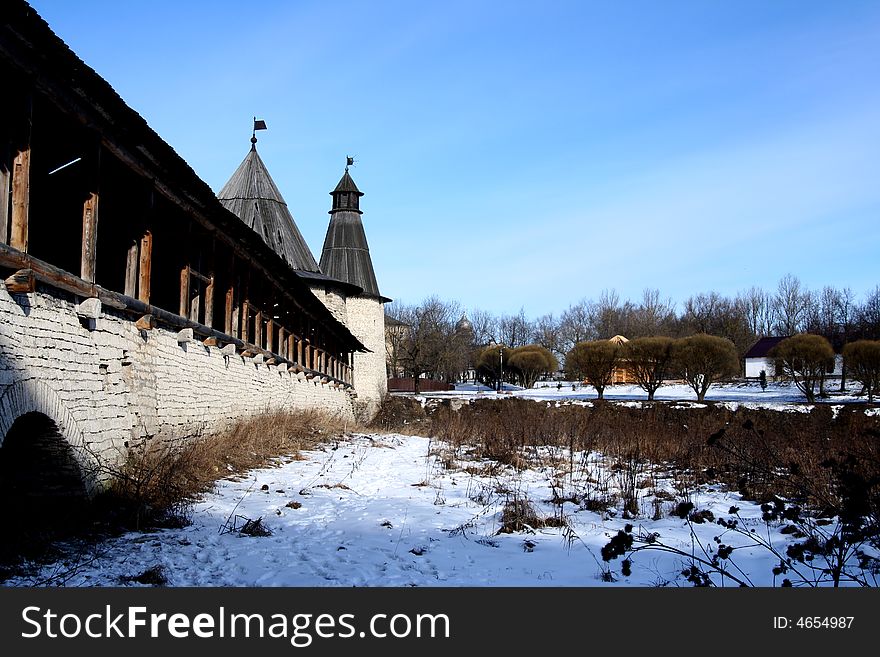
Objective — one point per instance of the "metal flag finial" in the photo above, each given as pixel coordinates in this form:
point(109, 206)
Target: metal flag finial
point(348, 162)
point(259, 124)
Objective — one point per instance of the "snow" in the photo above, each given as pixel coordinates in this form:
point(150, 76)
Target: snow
point(394, 510)
point(778, 395)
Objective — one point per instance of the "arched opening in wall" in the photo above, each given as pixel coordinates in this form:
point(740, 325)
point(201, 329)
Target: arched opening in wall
point(41, 486)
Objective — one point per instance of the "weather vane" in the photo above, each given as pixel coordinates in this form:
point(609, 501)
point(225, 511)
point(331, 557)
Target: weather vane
point(349, 161)
point(259, 124)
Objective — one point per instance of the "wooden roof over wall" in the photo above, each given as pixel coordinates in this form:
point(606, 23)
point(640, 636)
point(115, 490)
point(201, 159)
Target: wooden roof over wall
point(28, 44)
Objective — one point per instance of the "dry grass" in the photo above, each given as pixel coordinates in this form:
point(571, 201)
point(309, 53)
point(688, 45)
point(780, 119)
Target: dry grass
point(519, 515)
point(158, 480)
point(760, 452)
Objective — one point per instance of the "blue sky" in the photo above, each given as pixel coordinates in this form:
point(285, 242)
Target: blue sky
point(527, 155)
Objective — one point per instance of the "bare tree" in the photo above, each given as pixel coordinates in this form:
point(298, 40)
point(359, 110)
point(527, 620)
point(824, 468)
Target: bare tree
point(757, 308)
point(429, 346)
point(701, 311)
point(575, 325)
point(485, 326)
point(790, 305)
point(653, 316)
point(514, 330)
point(547, 333)
point(846, 316)
point(869, 316)
point(607, 316)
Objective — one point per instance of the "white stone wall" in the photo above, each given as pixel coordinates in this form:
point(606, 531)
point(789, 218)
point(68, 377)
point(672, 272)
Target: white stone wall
point(106, 383)
point(366, 320)
point(334, 302)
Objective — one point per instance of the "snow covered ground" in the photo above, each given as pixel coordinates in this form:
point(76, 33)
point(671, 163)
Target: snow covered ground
point(394, 510)
point(745, 393)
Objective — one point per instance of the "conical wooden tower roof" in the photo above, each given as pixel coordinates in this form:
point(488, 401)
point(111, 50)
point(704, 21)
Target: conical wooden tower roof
point(252, 195)
point(346, 255)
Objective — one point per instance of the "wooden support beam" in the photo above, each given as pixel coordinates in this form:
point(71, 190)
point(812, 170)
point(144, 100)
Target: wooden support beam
point(89, 238)
point(282, 343)
point(230, 312)
point(21, 191)
point(209, 303)
point(131, 271)
point(270, 330)
point(145, 323)
point(291, 347)
point(145, 267)
point(271, 361)
point(211, 342)
point(258, 329)
point(184, 292)
point(5, 180)
point(21, 282)
point(299, 351)
point(245, 322)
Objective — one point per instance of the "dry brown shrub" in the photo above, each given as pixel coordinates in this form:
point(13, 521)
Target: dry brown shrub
point(158, 480)
point(767, 452)
point(519, 515)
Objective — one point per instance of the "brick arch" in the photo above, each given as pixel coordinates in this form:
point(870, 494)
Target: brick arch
point(33, 396)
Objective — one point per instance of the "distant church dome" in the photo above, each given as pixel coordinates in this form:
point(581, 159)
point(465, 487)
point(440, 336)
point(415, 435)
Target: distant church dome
point(463, 325)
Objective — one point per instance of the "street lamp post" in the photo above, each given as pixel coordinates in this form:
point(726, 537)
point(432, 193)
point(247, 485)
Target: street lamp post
point(501, 357)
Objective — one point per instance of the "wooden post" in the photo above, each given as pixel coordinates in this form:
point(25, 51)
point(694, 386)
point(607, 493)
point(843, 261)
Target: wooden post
point(228, 320)
point(131, 271)
point(291, 348)
point(245, 322)
point(184, 292)
point(21, 190)
point(209, 303)
point(5, 179)
point(258, 329)
point(89, 238)
point(282, 343)
point(146, 264)
point(270, 329)
point(299, 351)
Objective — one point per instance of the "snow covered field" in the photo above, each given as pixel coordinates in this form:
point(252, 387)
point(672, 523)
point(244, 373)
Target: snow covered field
point(394, 510)
point(746, 393)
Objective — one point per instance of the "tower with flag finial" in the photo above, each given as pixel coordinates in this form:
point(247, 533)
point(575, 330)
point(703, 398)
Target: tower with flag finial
point(346, 257)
